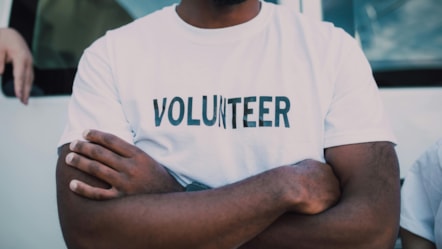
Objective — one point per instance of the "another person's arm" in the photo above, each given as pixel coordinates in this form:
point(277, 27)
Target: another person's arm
point(367, 215)
point(13, 49)
point(412, 241)
point(145, 215)
point(421, 200)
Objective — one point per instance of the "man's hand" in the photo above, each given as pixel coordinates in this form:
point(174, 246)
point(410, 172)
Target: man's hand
point(126, 168)
point(317, 189)
point(224, 217)
point(13, 49)
point(312, 186)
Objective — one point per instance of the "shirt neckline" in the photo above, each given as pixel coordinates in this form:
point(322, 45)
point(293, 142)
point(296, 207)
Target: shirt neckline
point(222, 35)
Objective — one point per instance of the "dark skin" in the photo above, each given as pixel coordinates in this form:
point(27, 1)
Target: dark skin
point(209, 14)
point(146, 207)
point(367, 214)
point(412, 241)
point(113, 195)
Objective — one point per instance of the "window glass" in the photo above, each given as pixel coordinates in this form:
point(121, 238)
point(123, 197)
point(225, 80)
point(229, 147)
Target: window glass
point(401, 38)
point(58, 32)
point(64, 28)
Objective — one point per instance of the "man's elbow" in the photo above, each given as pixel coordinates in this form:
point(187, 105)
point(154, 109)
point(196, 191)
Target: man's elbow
point(78, 233)
point(82, 221)
point(386, 238)
point(382, 232)
point(79, 240)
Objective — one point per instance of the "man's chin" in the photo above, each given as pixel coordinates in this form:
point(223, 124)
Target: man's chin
point(227, 2)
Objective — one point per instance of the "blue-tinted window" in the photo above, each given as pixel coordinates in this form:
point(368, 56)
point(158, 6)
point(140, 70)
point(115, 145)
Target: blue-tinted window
point(401, 38)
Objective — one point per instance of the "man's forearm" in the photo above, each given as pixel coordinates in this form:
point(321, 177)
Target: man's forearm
point(177, 220)
point(218, 218)
point(343, 226)
point(367, 216)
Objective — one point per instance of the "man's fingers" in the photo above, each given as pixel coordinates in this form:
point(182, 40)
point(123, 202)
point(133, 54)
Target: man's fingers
point(93, 168)
point(111, 142)
point(90, 192)
point(98, 153)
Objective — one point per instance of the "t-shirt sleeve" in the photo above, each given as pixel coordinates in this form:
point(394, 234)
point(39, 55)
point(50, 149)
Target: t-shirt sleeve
point(356, 113)
point(95, 102)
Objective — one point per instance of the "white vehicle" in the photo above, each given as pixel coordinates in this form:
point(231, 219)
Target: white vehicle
point(407, 66)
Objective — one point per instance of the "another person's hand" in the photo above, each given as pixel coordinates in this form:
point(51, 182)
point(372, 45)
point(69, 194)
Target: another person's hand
point(126, 168)
point(13, 49)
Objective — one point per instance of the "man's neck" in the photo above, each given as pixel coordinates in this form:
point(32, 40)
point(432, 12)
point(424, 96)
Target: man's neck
point(207, 14)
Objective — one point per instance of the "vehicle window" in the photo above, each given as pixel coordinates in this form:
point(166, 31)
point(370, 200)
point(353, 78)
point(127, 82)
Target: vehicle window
point(401, 38)
point(58, 31)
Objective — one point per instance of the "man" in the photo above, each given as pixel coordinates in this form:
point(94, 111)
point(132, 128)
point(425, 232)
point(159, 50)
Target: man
point(421, 214)
point(13, 49)
point(275, 118)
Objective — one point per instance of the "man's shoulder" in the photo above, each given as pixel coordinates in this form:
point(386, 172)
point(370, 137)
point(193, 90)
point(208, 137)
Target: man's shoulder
point(309, 27)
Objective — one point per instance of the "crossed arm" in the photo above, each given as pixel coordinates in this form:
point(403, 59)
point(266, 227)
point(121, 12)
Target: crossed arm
point(137, 204)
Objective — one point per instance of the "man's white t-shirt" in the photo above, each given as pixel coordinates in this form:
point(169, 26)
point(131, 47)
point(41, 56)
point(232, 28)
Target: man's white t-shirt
point(421, 208)
point(219, 105)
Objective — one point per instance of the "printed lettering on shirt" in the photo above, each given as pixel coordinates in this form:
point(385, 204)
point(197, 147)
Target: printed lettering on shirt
point(233, 113)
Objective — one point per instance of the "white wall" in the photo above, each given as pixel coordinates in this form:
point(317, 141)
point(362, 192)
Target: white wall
point(28, 140)
point(416, 117)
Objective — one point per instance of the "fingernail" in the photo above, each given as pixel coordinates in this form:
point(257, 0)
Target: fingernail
point(86, 133)
point(69, 157)
point(73, 144)
point(73, 185)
